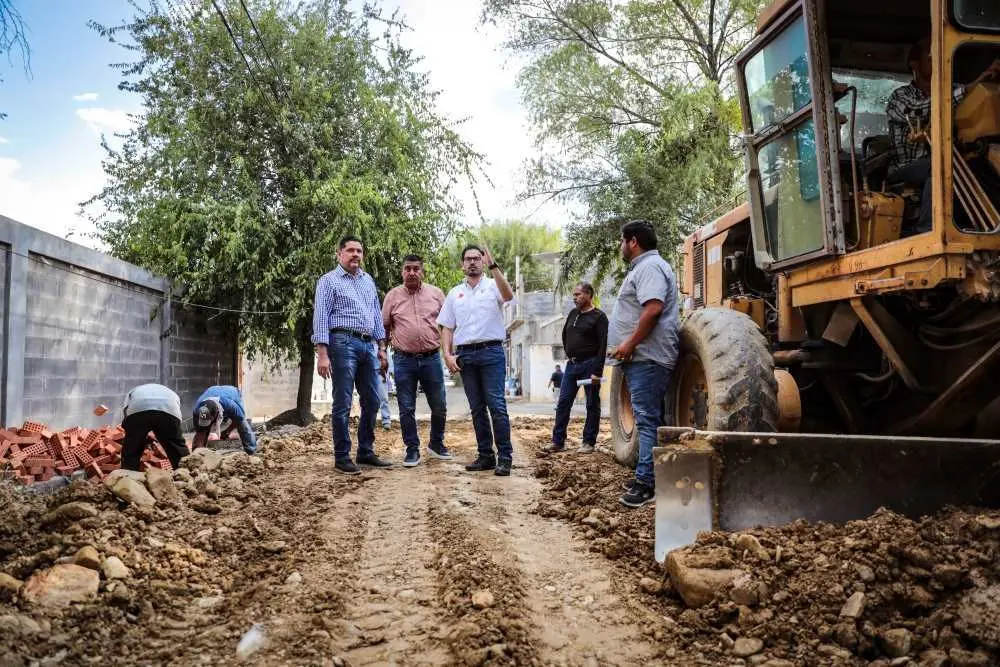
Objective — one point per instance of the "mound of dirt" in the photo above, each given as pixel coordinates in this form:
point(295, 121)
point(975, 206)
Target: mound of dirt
point(886, 590)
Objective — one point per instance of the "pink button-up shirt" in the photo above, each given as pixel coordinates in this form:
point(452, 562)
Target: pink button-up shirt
point(411, 318)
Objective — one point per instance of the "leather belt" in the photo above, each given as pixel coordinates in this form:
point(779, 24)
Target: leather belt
point(356, 334)
point(416, 355)
point(478, 346)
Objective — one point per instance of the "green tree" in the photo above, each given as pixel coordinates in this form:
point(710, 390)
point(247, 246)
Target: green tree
point(506, 240)
point(13, 37)
point(633, 111)
point(248, 164)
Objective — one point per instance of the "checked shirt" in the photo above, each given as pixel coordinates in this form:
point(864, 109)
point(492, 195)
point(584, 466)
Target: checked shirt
point(346, 301)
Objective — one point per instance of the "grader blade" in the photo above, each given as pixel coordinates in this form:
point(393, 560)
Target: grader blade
point(712, 480)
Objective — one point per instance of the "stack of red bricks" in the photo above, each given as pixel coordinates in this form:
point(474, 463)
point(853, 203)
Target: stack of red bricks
point(33, 453)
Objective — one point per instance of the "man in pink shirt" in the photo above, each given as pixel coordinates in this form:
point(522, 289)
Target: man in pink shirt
point(410, 313)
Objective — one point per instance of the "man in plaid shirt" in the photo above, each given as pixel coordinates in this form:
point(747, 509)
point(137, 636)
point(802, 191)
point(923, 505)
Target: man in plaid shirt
point(350, 344)
point(909, 108)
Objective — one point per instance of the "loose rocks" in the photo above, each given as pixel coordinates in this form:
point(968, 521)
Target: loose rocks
point(854, 606)
point(161, 485)
point(61, 585)
point(979, 616)
point(114, 568)
point(744, 647)
point(697, 586)
point(482, 599)
point(133, 491)
point(88, 557)
point(73, 511)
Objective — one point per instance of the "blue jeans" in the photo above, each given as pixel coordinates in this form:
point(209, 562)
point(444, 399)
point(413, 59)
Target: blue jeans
point(428, 372)
point(579, 370)
point(247, 436)
point(918, 173)
point(647, 384)
point(354, 363)
point(483, 372)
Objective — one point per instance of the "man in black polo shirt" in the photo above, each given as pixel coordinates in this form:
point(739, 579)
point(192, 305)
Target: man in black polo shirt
point(585, 340)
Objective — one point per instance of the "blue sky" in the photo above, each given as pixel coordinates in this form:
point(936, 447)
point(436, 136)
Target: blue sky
point(49, 144)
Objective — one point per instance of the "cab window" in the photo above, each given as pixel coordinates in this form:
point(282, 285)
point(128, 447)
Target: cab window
point(777, 78)
point(977, 15)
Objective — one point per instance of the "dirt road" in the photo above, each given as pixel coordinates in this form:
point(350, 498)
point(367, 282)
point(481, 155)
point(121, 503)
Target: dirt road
point(437, 566)
point(425, 566)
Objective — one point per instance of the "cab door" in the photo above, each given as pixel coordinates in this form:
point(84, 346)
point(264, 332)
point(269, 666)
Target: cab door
point(793, 181)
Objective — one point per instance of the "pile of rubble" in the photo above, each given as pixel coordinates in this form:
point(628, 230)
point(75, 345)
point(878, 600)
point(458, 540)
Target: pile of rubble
point(33, 453)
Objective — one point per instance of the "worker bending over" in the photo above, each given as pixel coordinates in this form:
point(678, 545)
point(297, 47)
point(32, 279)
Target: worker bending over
point(152, 407)
point(212, 407)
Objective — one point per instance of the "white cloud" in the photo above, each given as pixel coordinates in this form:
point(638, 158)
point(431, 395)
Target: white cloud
point(85, 97)
point(51, 206)
point(108, 121)
point(4, 141)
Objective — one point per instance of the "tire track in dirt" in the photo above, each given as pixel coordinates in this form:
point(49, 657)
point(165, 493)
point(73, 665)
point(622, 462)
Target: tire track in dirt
point(393, 614)
point(575, 615)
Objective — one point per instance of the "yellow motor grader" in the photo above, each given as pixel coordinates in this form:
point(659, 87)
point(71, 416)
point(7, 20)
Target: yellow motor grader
point(835, 357)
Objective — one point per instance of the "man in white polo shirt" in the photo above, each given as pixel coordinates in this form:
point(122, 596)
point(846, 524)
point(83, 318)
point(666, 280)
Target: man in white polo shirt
point(472, 336)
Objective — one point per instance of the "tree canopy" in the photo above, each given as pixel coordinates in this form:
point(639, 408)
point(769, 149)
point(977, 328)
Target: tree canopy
point(506, 240)
point(632, 108)
point(265, 137)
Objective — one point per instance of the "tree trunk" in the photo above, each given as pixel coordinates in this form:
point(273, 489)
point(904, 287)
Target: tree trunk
point(307, 367)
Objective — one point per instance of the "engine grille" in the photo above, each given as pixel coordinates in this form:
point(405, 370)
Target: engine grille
point(698, 269)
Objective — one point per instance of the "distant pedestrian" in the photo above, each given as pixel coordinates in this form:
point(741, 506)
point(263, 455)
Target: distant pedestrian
point(410, 312)
point(555, 380)
point(585, 340)
point(383, 402)
point(472, 336)
point(350, 347)
point(645, 330)
point(152, 407)
point(217, 404)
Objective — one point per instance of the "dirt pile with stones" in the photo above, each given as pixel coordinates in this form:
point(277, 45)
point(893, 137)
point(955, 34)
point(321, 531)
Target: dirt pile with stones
point(156, 567)
point(884, 591)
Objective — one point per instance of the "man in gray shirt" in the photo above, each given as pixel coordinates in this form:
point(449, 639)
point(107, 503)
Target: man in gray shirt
point(152, 407)
point(644, 332)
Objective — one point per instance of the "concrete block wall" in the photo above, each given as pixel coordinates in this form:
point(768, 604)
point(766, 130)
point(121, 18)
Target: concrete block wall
point(269, 389)
point(78, 328)
point(88, 339)
point(201, 354)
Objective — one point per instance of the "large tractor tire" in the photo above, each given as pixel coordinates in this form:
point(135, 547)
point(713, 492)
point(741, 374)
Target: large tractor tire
point(724, 381)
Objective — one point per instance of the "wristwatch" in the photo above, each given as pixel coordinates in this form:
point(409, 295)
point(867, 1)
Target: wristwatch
point(494, 265)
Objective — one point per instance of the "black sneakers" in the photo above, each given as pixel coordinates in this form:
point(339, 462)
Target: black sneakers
point(502, 469)
point(412, 458)
point(637, 496)
point(439, 452)
point(374, 461)
point(482, 463)
point(346, 467)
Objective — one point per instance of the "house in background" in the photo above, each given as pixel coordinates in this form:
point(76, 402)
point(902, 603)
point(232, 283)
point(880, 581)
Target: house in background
point(534, 324)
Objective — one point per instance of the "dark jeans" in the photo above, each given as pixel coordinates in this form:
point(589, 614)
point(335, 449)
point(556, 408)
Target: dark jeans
point(354, 363)
point(247, 436)
point(578, 370)
point(164, 426)
point(918, 173)
point(428, 372)
point(647, 384)
point(483, 373)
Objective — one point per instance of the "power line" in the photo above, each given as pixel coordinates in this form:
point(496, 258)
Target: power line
point(246, 61)
point(267, 54)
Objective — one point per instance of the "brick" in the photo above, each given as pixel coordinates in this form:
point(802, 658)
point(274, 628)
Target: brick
point(46, 475)
point(30, 427)
point(7, 436)
point(115, 434)
point(95, 469)
point(40, 461)
point(67, 470)
point(110, 467)
point(36, 449)
point(93, 438)
point(70, 459)
point(4, 448)
point(83, 456)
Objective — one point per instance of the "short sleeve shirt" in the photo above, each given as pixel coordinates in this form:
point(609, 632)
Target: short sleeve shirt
point(474, 313)
point(649, 277)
